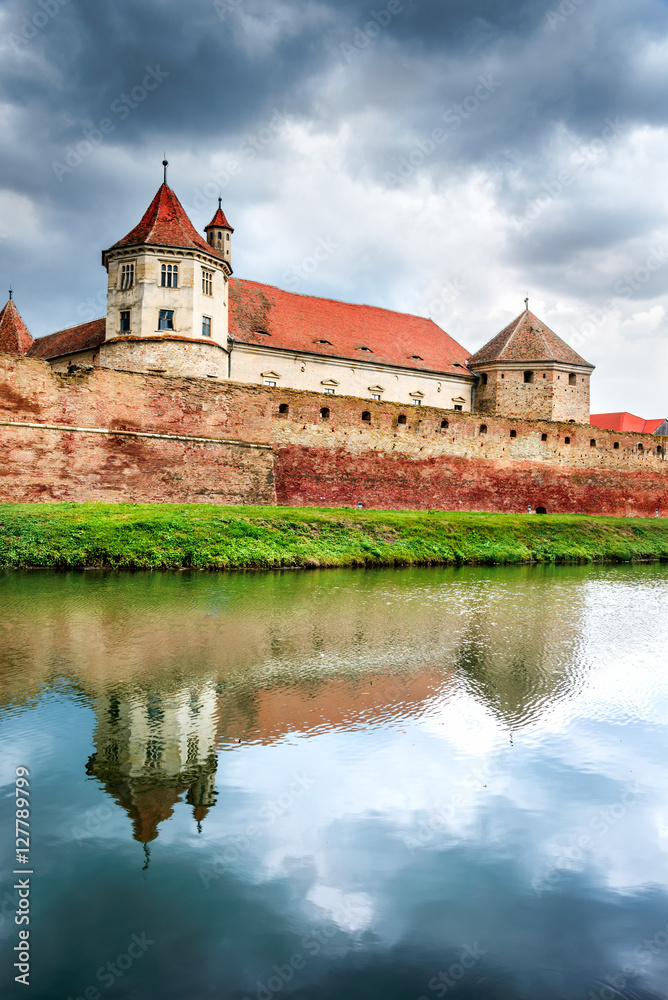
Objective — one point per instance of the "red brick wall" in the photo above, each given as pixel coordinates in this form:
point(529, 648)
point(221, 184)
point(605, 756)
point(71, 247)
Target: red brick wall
point(341, 460)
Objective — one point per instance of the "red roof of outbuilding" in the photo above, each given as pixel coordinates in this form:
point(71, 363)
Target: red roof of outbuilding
point(15, 337)
point(166, 224)
point(76, 338)
point(625, 422)
point(219, 221)
point(340, 330)
point(526, 339)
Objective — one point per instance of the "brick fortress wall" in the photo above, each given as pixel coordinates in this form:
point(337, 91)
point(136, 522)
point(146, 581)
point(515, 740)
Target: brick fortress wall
point(249, 452)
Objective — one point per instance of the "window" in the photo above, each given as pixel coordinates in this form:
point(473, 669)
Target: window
point(641, 448)
point(513, 434)
point(416, 402)
point(484, 378)
point(572, 379)
point(227, 237)
point(329, 391)
point(483, 428)
point(324, 413)
point(567, 440)
point(125, 321)
point(401, 419)
point(127, 276)
point(284, 409)
point(416, 357)
point(166, 319)
point(528, 377)
point(327, 342)
point(367, 350)
point(263, 333)
point(366, 417)
point(206, 326)
point(541, 510)
point(616, 446)
point(207, 282)
point(377, 396)
point(543, 437)
point(444, 425)
point(270, 383)
point(592, 443)
point(170, 276)
point(459, 407)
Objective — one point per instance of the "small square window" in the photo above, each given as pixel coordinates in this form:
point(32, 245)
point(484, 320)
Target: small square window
point(417, 402)
point(376, 395)
point(125, 321)
point(206, 326)
point(329, 392)
point(270, 383)
point(459, 407)
point(166, 319)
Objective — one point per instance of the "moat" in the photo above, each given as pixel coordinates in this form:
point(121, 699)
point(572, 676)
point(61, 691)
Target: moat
point(396, 784)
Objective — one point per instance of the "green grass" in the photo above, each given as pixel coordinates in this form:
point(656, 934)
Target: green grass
point(175, 536)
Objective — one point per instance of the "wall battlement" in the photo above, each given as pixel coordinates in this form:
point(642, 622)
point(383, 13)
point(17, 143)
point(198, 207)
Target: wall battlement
point(327, 450)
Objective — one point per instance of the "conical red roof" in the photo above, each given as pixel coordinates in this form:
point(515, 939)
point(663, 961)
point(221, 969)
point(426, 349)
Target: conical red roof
point(14, 334)
point(219, 221)
point(166, 224)
point(526, 339)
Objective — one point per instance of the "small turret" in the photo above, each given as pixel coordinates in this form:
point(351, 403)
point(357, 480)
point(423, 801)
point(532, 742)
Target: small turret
point(219, 233)
point(14, 334)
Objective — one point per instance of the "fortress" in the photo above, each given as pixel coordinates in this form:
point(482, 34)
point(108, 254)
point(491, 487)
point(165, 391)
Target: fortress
point(200, 387)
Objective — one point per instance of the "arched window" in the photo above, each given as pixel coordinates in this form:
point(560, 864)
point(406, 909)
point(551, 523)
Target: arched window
point(284, 409)
point(444, 425)
point(528, 377)
point(541, 510)
point(401, 419)
point(592, 443)
point(324, 413)
point(170, 276)
point(567, 440)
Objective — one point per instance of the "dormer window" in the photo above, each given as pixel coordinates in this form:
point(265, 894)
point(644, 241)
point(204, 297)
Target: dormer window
point(327, 342)
point(367, 350)
point(170, 276)
point(416, 357)
point(127, 276)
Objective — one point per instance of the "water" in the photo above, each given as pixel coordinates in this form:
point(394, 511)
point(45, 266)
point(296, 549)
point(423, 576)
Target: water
point(396, 784)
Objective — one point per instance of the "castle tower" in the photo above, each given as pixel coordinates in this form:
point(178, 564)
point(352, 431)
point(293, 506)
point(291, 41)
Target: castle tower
point(167, 296)
point(14, 334)
point(219, 233)
point(528, 371)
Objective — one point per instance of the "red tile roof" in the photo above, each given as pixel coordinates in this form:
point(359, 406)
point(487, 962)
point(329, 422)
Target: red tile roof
point(219, 221)
point(340, 330)
point(76, 338)
point(625, 422)
point(166, 224)
point(526, 339)
point(14, 334)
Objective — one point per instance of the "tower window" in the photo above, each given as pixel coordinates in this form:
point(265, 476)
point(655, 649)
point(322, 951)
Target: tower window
point(484, 378)
point(166, 319)
point(125, 321)
point(227, 237)
point(127, 276)
point(207, 282)
point(572, 379)
point(206, 326)
point(170, 276)
point(528, 377)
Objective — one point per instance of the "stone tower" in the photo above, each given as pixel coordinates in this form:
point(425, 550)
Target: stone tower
point(528, 371)
point(167, 295)
point(219, 233)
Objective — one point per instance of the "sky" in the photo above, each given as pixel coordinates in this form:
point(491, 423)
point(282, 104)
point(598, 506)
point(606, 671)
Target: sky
point(439, 157)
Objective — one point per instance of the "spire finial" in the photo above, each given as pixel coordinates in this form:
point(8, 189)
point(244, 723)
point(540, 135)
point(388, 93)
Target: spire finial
point(11, 293)
point(526, 303)
point(220, 202)
point(165, 164)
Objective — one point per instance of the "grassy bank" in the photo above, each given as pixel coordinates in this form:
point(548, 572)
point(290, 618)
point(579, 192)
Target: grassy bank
point(166, 536)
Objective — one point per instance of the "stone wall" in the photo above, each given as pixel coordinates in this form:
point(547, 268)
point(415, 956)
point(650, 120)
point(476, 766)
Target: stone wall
point(549, 397)
point(222, 442)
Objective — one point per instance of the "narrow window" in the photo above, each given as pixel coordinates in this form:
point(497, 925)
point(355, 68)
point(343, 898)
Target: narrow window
point(483, 428)
point(324, 413)
point(125, 321)
point(170, 276)
point(227, 237)
point(284, 409)
point(513, 434)
point(401, 419)
point(484, 378)
point(503, 376)
point(444, 425)
point(659, 450)
point(207, 282)
point(528, 377)
point(459, 407)
point(206, 326)
point(641, 448)
point(592, 443)
point(616, 446)
point(572, 379)
point(567, 440)
point(166, 319)
point(268, 381)
point(366, 417)
point(543, 437)
point(127, 276)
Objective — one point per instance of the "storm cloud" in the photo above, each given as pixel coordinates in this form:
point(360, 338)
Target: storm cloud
point(458, 155)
